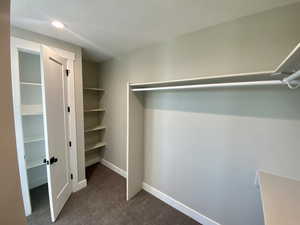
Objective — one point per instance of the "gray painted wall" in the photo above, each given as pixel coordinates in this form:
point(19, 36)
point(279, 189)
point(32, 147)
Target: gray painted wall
point(27, 35)
point(203, 147)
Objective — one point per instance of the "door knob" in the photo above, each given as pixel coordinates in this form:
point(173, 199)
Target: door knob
point(51, 161)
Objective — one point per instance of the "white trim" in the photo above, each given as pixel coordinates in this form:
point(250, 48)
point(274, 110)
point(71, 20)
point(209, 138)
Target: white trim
point(35, 48)
point(80, 185)
point(72, 124)
point(66, 54)
point(114, 168)
point(25, 45)
point(127, 137)
point(15, 46)
point(179, 206)
point(165, 198)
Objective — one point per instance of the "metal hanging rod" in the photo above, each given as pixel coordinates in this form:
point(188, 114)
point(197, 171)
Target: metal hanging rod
point(290, 81)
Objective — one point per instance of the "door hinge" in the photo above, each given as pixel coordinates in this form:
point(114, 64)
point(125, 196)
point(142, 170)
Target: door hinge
point(69, 109)
point(70, 143)
point(71, 176)
point(67, 72)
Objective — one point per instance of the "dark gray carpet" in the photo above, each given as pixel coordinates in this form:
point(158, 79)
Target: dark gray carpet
point(103, 202)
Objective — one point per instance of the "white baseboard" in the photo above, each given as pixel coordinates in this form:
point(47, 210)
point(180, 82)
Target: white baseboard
point(179, 206)
point(165, 198)
point(80, 185)
point(114, 168)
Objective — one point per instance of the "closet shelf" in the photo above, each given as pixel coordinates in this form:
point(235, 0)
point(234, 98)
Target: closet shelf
point(93, 89)
point(94, 129)
point(94, 110)
point(31, 165)
point(31, 110)
point(33, 139)
point(92, 161)
point(286, 74)
point(90, 147)
point(31, 84)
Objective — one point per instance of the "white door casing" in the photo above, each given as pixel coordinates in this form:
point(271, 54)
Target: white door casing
point(55, 96)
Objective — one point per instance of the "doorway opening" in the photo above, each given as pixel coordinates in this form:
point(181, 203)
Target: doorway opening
point(42, 96)
point(33, 129)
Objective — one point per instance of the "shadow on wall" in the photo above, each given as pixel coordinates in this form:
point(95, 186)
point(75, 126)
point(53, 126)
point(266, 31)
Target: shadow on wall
point(266, 102)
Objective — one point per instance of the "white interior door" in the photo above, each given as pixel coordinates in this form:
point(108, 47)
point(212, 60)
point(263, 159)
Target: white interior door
point(56, 127)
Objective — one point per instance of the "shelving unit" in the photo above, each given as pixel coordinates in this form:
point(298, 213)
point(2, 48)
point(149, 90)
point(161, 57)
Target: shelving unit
point(91, 129)
point(32, 117)
point(94, 130)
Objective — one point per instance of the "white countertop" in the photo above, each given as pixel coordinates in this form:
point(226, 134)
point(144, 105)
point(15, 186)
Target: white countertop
point(280, 198)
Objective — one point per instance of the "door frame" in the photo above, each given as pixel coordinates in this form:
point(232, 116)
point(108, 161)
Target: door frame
point(18, 44)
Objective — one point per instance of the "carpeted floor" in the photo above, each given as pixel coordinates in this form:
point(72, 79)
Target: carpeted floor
point(103, 202)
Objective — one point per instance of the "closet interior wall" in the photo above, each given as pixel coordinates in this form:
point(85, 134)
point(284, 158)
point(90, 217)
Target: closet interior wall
point(94, 129)
point(257, 124)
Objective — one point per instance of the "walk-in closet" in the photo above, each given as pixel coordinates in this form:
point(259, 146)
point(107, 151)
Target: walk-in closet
point(150, 112)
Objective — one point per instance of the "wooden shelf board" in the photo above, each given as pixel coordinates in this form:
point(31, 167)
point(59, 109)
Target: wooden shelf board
point(32, 84)
point(93, 89)
point(94, 110)
point(30, 110)
point(31, 165)
point(90, 147)
point(92, 161)
point(33, 139)
point(264, 75)
point(91, 129)
point(289, 65)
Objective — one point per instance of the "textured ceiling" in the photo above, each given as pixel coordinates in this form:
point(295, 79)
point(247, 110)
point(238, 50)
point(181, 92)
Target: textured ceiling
point(109, 28)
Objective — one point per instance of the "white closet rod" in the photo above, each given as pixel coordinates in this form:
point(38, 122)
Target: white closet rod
point(290, 81)
point(198, 86)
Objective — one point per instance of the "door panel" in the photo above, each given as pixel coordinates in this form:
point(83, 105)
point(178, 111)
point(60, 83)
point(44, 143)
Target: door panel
point(56, 123)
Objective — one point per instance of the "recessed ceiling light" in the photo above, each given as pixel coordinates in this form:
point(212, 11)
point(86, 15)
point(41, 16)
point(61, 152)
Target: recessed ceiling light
point(57, 24)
